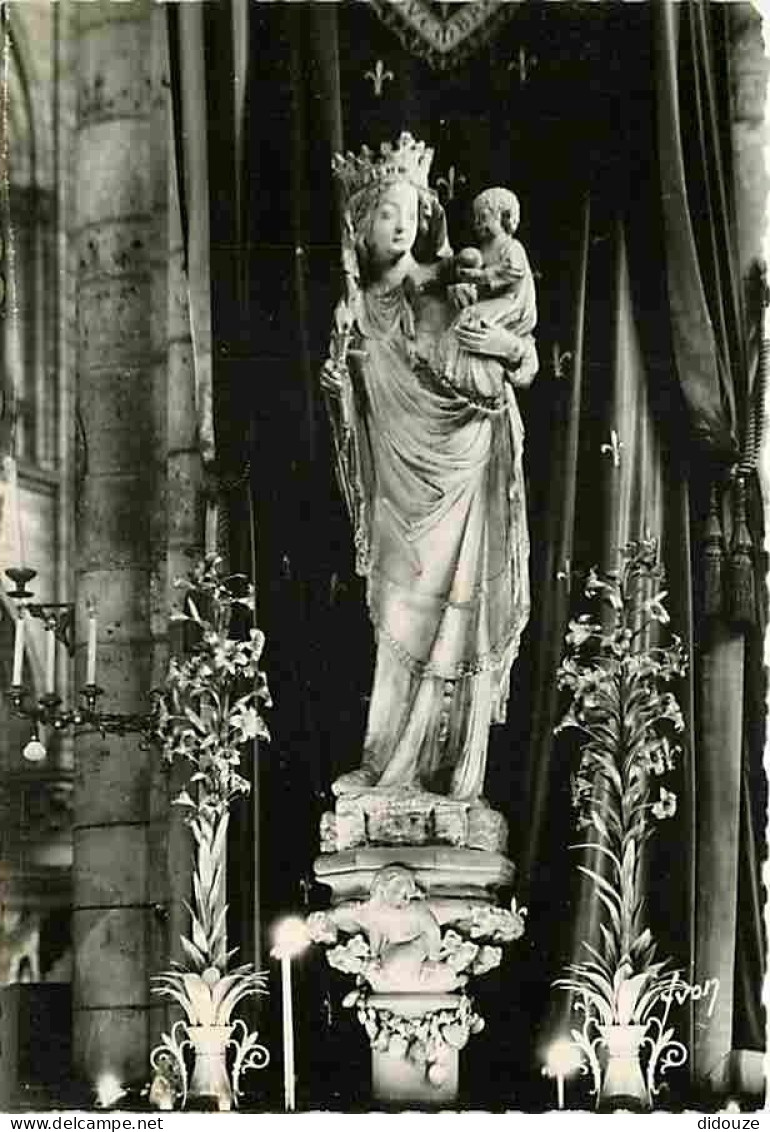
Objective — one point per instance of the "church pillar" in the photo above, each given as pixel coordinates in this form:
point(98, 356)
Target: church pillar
point(119, 239)
point(724, 927)
point(749, 68)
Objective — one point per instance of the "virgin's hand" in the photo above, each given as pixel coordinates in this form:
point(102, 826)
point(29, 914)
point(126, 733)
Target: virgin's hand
point(332, 376)
point(469, 274)
point(492, 341)
point(462, 295)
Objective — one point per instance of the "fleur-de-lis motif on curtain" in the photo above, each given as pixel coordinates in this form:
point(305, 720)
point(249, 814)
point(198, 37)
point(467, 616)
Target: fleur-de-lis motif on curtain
point(560, 361)
point(522, 64)
point(379, 76)
point(450, 183)
point(613, 448)
point(565, 573)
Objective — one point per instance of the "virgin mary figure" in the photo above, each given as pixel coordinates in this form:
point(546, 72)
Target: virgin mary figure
point(432, 475)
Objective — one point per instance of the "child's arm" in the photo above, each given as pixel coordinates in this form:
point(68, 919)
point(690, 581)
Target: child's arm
point(508, 269)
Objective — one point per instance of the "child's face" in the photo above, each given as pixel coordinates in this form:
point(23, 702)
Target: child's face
point(398, 892)
point(487, 222)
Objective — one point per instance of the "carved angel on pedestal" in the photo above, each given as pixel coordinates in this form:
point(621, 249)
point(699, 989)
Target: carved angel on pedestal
point(402, 948)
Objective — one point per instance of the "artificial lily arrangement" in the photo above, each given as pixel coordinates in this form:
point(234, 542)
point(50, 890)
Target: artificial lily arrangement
point(620, 703)
point(208, 708)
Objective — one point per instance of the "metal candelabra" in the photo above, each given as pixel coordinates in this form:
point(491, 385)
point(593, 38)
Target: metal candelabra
point(59, 621)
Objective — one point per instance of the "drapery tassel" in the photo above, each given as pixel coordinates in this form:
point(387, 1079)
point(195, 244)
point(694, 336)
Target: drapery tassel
point(713, 556)
point(743, 605)
point(743, 592)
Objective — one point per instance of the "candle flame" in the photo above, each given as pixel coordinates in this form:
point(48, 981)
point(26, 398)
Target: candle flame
point(562, 1058)
point(108, 1090)
point(290, 937)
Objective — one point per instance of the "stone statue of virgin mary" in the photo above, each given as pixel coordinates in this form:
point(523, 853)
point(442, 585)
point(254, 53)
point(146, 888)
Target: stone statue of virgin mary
point(431, 470)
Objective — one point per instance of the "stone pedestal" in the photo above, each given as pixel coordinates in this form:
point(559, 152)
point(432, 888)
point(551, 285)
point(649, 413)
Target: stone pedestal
point(414, 880)
point(397, 1079)
point(439, 871)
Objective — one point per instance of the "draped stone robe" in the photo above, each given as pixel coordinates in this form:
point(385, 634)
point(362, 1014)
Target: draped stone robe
point(434, 477)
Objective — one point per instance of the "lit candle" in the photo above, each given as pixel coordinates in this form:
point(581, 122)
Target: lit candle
point(14, 511)
point(91, 656)
point(18, 649)
point(291, 937)
point(562, 1060)
point(50, 659)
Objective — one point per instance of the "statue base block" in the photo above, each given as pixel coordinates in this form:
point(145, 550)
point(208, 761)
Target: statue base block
point(410, 816)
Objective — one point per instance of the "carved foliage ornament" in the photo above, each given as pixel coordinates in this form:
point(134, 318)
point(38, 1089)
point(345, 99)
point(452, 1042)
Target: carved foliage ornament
point(424, 1040)
point(443, 34)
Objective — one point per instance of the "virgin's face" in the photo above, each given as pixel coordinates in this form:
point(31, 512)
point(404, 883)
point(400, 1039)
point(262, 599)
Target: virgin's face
point(393, 226)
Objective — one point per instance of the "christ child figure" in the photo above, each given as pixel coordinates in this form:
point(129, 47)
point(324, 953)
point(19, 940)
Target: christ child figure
point(494, 288)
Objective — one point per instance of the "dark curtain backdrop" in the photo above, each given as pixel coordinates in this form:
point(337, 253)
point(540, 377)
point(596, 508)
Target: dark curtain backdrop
point(641, 336)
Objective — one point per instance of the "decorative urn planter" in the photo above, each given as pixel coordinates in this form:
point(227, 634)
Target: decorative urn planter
point(623, 1084)
point(210, 1076)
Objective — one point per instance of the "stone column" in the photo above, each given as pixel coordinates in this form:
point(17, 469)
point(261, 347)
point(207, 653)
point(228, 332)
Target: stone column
point(717, 1064)
point(730, 1068)
point(749, 69)
point(120, 240)
point(749, 74)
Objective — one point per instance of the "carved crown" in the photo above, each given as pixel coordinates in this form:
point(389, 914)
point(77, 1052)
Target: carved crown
point(408, 159)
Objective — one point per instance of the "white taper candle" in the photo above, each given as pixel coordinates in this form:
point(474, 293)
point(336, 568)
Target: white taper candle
point(288, 1035)
point(18, 649)
point(50, 660)
point(91, 655)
